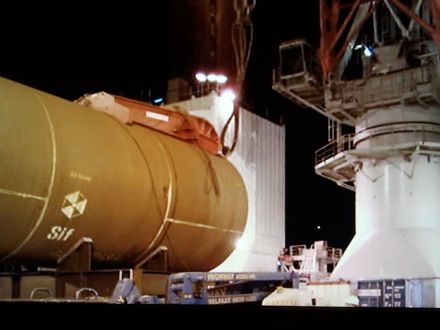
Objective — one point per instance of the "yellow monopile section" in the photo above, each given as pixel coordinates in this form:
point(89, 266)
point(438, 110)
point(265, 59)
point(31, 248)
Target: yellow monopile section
point(68, 172)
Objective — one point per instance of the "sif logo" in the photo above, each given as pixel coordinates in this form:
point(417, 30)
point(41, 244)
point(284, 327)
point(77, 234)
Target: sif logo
point(73, 206)
point(58, 233)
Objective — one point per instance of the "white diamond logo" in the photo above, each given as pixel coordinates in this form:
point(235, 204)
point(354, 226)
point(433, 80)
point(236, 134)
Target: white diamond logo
point(74, 204)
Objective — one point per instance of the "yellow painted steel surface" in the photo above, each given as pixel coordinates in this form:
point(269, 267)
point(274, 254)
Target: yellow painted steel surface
point(69, 172)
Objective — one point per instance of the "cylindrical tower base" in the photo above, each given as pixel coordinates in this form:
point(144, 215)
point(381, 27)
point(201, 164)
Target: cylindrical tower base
point(397, 198)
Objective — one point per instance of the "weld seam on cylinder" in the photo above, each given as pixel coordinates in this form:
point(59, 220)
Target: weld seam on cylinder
point(135, 141)
point(164, 221)
point(21, 194)
point(50, 187)
point(168, 206)
point(181, 222)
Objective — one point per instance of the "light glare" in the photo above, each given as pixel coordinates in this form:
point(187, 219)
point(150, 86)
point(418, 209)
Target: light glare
point(228, 95)
point(221, 79)
point(201, 77)
point(212, 77)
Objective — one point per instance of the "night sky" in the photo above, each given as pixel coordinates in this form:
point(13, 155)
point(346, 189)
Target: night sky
point(70, 48)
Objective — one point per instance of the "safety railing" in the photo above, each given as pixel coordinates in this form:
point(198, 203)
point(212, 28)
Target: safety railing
point(415, 133)
point(296, 250)
point(334, 253)
point(343, 143)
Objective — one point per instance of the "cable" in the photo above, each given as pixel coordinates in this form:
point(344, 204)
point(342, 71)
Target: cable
point(242, 37)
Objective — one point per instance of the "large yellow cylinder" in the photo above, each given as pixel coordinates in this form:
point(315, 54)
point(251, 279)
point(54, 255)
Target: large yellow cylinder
point(69, 172)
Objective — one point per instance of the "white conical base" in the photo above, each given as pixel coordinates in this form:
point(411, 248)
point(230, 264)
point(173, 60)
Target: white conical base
point(391, 254)
point(397, 201)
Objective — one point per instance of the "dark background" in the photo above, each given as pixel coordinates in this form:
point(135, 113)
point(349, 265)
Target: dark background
point(70, 48)
point(132, 48)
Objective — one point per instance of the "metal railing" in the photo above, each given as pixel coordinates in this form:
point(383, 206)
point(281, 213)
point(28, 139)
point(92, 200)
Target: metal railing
point(418, 133)
point(343, 143)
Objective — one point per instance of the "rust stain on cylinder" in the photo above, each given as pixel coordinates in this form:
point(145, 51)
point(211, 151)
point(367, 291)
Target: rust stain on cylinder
point(69, 172)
